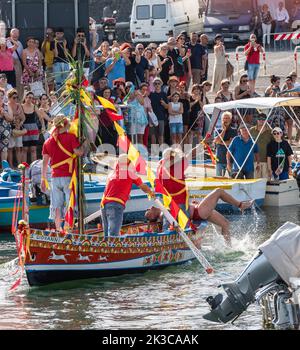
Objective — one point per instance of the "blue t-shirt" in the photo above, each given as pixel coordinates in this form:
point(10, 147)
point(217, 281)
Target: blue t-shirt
point(197, 53)
point(117, 72)
point(240, 149)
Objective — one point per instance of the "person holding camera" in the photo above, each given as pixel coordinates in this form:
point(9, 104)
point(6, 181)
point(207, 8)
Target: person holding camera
point(61, 66)
point(252, 52)
point(48, 53)
point(115, 66)
point(80, 51)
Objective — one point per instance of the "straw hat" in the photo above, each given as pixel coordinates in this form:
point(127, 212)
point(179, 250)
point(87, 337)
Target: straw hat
point(60, 121)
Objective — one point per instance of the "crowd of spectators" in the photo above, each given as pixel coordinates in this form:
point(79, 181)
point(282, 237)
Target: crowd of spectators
point(160, 89)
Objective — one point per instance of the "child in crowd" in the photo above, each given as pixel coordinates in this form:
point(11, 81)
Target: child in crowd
point(175, 111)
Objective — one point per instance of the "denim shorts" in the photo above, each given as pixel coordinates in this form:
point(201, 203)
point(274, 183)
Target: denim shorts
point(253, 70)
point(176, 128)
point(112, 218)
point(59, 195)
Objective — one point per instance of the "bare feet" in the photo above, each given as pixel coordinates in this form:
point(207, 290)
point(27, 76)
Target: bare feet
point(227, 239)
point(246, 205)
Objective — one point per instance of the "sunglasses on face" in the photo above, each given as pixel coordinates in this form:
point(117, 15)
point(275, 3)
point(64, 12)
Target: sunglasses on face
point(276, 133)
point(156, 83)
point(245, 81)
point(15, 97)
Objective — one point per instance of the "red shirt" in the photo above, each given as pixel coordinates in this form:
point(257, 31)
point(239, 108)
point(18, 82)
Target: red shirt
point(51, 148)
point(253, 56)
point(172, 186)
point(119, 185)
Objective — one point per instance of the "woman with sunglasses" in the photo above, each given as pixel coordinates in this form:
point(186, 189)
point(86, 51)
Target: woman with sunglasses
point(5, 126)
point(16, 138)
point(31, 138)
point(167, 65)
point(279, 156)
point(154, 59)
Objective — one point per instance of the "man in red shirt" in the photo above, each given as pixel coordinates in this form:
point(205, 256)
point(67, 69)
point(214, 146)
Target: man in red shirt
point(170, 173)
point(60, 150)
point(116, 194)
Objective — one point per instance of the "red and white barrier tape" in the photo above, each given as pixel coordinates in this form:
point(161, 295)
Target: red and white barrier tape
point(287, 36)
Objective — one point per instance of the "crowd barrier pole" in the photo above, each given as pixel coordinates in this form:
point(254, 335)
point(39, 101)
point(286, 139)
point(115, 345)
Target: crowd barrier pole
point(237, 58)
point(297, 48)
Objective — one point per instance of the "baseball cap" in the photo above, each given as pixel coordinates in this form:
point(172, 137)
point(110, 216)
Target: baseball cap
point(173, 77)
point(206, 82)
point(276, 129)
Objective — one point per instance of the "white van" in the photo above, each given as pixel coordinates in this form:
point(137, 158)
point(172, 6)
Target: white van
point(157, 20)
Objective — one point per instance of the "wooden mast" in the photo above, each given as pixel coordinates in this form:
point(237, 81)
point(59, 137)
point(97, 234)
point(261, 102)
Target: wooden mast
point(80, 192)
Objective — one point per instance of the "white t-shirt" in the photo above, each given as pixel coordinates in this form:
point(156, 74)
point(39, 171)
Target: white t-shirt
point(175, 118)
point(19, 49)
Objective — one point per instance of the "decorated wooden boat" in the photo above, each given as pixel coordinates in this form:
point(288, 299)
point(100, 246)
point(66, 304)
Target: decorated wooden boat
point(55, 257)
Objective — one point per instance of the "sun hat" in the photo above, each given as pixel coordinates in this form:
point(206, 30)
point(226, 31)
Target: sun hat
point(157, 80)
point(173, 77)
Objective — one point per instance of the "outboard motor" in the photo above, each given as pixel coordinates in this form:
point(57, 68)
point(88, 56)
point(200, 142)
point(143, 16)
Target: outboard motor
point(277, 261)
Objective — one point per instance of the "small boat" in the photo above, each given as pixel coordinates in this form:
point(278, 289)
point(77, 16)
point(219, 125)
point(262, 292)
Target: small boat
point(282, 193)
point(56, 257)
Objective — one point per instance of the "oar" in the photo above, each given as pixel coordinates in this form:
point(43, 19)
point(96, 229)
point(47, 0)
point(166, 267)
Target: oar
point(200, 257)
point(92, 217)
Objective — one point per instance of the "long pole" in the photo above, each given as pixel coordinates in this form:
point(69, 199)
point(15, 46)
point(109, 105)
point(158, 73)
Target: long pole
point(79, 159)
point(197, 253)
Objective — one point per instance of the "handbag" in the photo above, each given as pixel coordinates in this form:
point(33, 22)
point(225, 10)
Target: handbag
point(37, 88)
point(229, 69)
point(246, 65)
point(18, 132)
point(153, 118)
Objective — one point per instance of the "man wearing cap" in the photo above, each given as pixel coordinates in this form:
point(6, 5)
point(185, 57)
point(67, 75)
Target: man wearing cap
point(159, 102)
point(265, 137)
point(244, 153)
point(116, 194)
point(60, 150)
point(279, 156)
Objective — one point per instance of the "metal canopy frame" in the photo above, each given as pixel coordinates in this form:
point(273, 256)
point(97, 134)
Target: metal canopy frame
point(268, 106)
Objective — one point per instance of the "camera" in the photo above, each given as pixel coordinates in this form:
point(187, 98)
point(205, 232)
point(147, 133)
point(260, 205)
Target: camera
point(98, 53)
